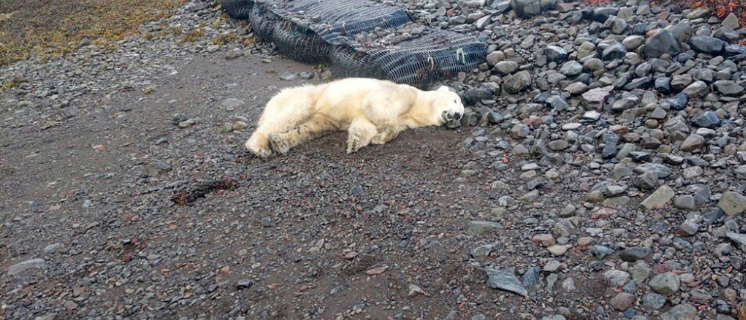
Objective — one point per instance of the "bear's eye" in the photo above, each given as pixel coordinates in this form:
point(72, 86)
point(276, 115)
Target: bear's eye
point(454, 101)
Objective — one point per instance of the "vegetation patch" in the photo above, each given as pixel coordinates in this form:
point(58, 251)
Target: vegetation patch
point(46, 29)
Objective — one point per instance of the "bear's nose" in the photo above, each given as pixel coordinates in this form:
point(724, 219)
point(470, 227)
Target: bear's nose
point(457, 116)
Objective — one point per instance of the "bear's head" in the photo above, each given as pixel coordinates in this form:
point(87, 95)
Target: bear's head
point(447, 107)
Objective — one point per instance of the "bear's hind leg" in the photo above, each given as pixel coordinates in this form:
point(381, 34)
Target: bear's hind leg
point(314, 127)
point(277, 118)
point(387, 131)
point(360, 134)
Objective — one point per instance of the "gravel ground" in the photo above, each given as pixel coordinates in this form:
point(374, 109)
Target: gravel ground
point(129, 195)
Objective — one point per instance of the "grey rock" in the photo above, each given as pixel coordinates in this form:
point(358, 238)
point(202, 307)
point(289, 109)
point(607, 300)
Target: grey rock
point(494, 57)
point(678, 102)
point(738, 239)
point(681, 31)
point(633, 42)
point(693, 142)
point(477, 94)
point(528, 8)
point(610, 140)
point(632, 254)
point(706, 44)
point(571, 68)
point(531, 277)
point(658, 199)
point(602, 14)
point(663, 84)
point(557, 103)
point(661, 43)
point(231, 104)
point(681, 81)
point(615, 50)
point(680, 312)
point(685, 202)
point(517, 82)
point(576, 88)
point(665, 283)
point(661, 170)
point(731, 21)
point(728, 87)
point(653, 301)
point(506, 67)
point(697, 89)
point(244, 284)
point(288, 76)
point(687, 229)
point(555, 54)
point(616, 25)
point(707, 119)
point(622, 301)
point(52, 248)
point(616, 278)
point(482, 251)
point(21, 267)
point(481, 227)
point(646, 181)
point(732, 203)
point(504, 279)
point(600, 252)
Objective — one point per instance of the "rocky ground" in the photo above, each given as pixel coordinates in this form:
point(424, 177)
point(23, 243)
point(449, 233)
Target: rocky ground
point(597, 175)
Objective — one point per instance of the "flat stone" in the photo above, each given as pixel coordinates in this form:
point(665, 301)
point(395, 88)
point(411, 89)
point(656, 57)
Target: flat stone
point(732, 203)
point(728, 87)
point(693, 142)
point(19, 268)
point(731, 21)
point(706, 44)
point(505, 279)
point(596, 96)
point(481, 227)
point(680, 312)
point(738, 239)
point(658, 199)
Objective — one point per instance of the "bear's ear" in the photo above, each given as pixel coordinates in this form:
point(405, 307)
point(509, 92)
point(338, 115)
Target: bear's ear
point(443, 88)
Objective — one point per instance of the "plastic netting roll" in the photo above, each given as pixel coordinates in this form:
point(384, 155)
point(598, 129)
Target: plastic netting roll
point(238, 9)
point(323, 31)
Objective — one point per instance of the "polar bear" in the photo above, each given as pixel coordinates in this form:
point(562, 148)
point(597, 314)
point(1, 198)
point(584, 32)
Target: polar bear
point(372, 111)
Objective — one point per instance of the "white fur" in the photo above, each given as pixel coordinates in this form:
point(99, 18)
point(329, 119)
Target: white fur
point(372, 111)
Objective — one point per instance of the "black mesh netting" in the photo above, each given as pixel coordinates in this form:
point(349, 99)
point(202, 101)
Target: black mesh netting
point(324, 31)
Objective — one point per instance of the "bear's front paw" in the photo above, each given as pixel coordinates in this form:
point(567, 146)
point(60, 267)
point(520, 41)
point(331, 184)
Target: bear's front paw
point(258, 150)
point(278, 144)
point(353, 143)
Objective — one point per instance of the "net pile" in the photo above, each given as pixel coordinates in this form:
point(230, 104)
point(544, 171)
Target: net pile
point(360, 38)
